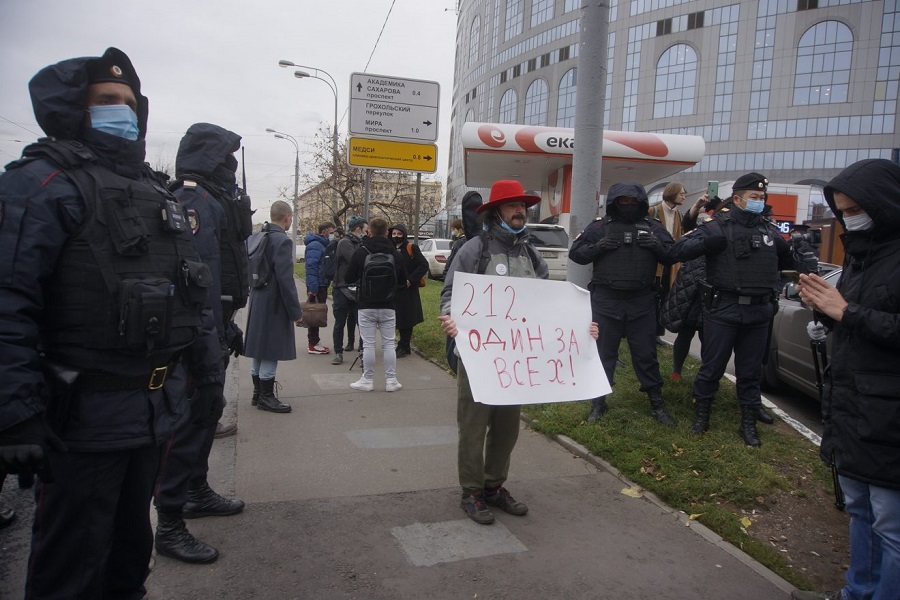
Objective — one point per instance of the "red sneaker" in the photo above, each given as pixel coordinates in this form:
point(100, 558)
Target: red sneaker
point(316, 349)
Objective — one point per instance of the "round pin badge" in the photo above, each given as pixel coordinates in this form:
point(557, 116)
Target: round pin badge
point(500, 269)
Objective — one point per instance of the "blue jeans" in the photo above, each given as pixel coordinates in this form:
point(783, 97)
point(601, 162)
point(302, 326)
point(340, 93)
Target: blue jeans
point(264, 369)
point(874, 572)
point(383, 319)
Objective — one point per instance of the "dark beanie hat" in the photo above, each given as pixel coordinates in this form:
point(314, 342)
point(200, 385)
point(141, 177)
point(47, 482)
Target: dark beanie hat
point(751, 181)
point(113, 67)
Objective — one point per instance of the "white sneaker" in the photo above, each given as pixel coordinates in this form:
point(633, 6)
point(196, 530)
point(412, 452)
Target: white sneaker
point(364, 385)
point(393, 385)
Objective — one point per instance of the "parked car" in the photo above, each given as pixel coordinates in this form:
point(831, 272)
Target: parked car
point(790, 357)
point(552, 241)
point(436, 251)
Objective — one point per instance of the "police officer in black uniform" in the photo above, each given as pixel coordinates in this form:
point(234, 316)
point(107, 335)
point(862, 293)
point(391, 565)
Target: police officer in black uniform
point(219, 218)
point(101, 294)
point(625, 247)
point(744, 253)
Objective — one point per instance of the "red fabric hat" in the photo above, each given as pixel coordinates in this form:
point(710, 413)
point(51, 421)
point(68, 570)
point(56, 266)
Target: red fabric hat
point(507, 190)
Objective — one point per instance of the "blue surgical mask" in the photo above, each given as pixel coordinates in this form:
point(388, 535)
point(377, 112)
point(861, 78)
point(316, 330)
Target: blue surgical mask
point(116, 119)
point(506, 226)
point(860, 222)
point(755, 206)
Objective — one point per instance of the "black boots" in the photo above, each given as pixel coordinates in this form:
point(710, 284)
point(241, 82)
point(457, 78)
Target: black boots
point(658, 408)
point(748, 431)
point(204, 502)
point(763, 417)
point(175, 541)
point(701, 416)
point(598, 409)
point(254, 399)
point(267, 399)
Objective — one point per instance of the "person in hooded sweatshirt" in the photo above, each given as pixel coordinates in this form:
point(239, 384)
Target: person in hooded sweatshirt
point(624, 248)
point(408, 303)
point(861, 403)
point(205, 169)
point(744, 252)
point(102, 293)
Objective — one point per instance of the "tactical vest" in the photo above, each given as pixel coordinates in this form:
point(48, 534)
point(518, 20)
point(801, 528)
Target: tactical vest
point(749, 264)
point(232, 243)
point(629, 267)
point(129, 280)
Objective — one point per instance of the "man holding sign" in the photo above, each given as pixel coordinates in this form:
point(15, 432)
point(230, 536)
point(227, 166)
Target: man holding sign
point(511, 345)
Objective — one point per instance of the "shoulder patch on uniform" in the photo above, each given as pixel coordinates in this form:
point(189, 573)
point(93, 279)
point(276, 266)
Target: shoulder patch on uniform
point(726, 209)
point(193, 220)
point(189, 183)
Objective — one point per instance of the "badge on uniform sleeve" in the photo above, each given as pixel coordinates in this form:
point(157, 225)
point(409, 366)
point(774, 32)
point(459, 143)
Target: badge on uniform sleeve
point(193, 220)
point(767, 240)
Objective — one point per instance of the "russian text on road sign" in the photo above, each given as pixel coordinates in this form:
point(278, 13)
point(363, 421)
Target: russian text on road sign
point(388, 154)
point(382, 106)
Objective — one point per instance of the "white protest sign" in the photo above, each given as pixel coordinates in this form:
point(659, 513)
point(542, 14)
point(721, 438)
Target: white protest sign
point(526, 341)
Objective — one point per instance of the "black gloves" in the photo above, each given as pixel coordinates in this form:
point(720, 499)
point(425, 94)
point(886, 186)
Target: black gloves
point(234, 339)
point(651, 243)
point(605, 245)
point(23, 448)
point(207, 404)
point(807, 262)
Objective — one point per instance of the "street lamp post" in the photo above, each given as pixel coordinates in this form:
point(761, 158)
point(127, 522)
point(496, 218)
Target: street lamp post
point(296, 203)
point(332, 85)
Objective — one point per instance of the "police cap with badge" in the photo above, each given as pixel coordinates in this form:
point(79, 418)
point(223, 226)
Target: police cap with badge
point(750, 181)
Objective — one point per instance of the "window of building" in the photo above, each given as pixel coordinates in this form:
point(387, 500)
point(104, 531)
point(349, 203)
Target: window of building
point(695, 20)
point(571, 5)
point(532, 64)
point(564, 53)
point(514, 16)
point(823, 64)
point(676, 82)
point(503, 77)
point(545, 59)
point(541, 11)
point(565, 107)
point(536, 103)
point(474, 39)
point(807, 4)
point(663, 27)
point(516, 71)
point(508, 104)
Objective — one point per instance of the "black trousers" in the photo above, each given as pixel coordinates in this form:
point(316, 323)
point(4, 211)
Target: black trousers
point(185, 460)
point(405, 339)
point(91, 536)
point(345, 314)
point(738, 328)
point(635, 320)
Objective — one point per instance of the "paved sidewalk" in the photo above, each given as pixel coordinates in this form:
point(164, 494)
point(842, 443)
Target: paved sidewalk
point(354, 495)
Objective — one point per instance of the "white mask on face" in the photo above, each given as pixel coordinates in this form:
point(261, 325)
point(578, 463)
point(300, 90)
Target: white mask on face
point(860, 222)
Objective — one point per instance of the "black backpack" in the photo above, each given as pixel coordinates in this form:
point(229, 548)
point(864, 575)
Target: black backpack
point(328, 262)
point(378, 281)
point(260, 267)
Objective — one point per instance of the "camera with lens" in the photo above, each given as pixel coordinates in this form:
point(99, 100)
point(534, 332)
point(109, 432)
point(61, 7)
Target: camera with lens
point(812, 236)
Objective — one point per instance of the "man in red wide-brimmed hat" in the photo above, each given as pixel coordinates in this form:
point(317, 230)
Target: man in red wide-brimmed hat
point(501, 249)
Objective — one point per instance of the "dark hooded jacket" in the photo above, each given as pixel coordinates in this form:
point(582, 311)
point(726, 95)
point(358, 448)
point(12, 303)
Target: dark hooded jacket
point(204, 181)
point(471, 224)
point(32, 242)
point(861, 408)
point(408, 303)
point(622, 281)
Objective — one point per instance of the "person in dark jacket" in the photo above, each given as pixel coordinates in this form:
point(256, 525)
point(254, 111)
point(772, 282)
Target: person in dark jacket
point(101, 291)
point(625, 247)
point(273, 311)
point(408, 303)
point(744, 252)
point(205, 169)
point(861, 403)
point(377, 313)
point(316, 282)
point(344, 294)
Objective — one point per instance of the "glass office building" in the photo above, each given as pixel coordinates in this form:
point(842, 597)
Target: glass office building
point(794, 89)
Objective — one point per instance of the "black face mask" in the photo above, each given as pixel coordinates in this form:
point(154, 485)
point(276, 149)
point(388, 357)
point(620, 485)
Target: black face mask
point(630, 213)
point(224, 176)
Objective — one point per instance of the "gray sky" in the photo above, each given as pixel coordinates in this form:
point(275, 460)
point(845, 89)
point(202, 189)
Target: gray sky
point(217, 61)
